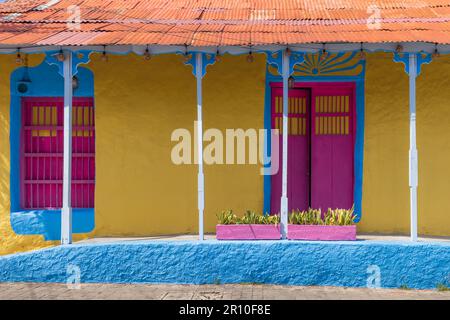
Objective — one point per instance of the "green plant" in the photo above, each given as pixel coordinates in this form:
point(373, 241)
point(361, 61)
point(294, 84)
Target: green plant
point(310, 216)
point(404, 287)
point(270, 219)
point(339, 217)
point(336, 217)
point(227, 217)
point(442, 287)
point(249, 217)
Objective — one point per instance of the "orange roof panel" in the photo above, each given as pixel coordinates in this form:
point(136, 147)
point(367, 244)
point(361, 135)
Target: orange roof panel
point(225, 22)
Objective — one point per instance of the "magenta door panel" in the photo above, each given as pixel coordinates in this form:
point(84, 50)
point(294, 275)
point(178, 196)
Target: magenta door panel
point(332, 141)
point(298, 148)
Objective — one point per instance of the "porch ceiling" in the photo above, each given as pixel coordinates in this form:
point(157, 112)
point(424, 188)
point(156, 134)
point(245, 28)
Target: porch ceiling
point(206, 23)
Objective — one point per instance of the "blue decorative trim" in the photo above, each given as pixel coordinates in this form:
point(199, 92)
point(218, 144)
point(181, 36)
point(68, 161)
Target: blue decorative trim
point(359, 138)
point(422, 58)
point(78, 58)
point(332, 64)
point(267, 144)
point(419, 265)
point(276, 59)
point(43, 81)
point(207, 59)
point(359, 148)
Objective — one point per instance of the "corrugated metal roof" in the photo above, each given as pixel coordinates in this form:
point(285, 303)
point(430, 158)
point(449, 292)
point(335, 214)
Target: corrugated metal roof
point(222, 22)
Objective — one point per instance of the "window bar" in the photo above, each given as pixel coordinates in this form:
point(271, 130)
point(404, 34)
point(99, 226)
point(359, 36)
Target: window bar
point(86, 155)
point(57, 148)
point(60, 150)
point(78, 174)
point(24, 159)
point(83, 187)
point(36, 169)
point(78, 165)
point(74, 149)
point(54, 159)
point(79, 141)
point(92, 160)
point(88, 161)
point(51, 158)
point(89, 151)
point(33, 164)
point(44, 159)
point(78, 161)
point(30, 186)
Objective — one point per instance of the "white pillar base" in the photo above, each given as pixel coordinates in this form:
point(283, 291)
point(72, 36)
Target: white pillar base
point(66, 225)
point(201, 206)
point(284, 217)
point(413, 197)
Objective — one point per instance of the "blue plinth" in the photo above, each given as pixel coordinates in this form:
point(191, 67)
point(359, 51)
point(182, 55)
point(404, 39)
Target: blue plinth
point(351, 264)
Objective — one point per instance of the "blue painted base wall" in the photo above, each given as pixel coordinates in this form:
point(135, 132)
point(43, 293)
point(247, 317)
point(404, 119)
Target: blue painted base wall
point(276, 262)
point(48, 222)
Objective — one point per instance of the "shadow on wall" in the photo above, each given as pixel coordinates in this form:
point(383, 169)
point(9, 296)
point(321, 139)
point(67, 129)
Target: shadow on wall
point(9, 241)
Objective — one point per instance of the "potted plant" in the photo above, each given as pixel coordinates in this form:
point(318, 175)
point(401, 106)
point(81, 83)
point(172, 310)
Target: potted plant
point(251, 226)
point(338, 224)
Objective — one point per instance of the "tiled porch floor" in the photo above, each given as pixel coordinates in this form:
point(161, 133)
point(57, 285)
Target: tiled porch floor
point(190, 237)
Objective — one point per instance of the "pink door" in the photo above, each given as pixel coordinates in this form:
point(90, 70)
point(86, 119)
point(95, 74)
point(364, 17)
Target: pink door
point(323, 148)
point(298, 152)
point(332, 141)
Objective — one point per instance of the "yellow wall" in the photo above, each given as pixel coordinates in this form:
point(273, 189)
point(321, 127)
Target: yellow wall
point(385, 187)
point(139, 191)
point(164, 199)
point(433, 118)
point(385, 184)
point(139, 103)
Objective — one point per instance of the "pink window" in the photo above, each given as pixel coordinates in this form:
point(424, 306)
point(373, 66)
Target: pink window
point(42, 153)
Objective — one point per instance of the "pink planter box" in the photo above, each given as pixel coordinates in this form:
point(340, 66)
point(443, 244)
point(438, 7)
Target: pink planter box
point(248, 232)
point(312, 232)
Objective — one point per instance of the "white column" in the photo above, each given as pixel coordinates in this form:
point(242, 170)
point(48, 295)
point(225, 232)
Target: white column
point(284, 183)
point(201, 178)
point(66, 212)
point(413, 160)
